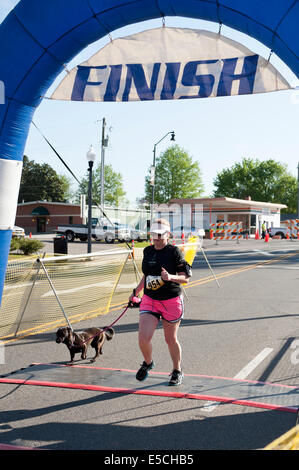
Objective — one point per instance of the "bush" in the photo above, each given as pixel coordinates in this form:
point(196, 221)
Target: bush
point(14, 244)
point(28, 246)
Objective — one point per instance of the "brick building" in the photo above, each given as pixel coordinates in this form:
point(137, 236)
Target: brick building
point(42, 216)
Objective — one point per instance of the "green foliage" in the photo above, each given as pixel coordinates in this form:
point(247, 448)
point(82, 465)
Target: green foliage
point(29, 246)
point(14, 244)
point(176, 176)
point(267, 181)
point(113, 186)
point(40, 182)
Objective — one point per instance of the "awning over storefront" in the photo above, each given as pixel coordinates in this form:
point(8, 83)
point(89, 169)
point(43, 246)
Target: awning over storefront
point(40, 211)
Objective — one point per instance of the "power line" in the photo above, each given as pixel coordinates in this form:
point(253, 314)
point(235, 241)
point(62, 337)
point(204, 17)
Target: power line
point(68, 168)
point(60, 158)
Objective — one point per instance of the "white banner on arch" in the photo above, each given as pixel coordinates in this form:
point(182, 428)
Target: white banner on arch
point(168, 64)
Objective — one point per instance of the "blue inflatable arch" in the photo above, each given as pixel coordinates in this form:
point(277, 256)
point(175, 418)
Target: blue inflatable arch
point(38, 37)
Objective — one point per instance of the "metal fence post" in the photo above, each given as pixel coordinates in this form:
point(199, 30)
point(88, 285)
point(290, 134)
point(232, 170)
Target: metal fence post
point(55, 293)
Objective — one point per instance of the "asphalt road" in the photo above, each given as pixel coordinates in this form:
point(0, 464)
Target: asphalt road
point(244, 328)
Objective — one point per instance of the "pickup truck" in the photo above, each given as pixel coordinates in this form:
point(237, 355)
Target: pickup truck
point(109, 233)
point(282, 231)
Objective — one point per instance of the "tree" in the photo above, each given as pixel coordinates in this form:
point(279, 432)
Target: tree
point(113, 186)
point(267, 181)
point(176, 176)
point(67, 187)
point(40, 182)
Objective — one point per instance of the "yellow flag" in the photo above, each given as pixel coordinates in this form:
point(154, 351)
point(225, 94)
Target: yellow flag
point(191, 249)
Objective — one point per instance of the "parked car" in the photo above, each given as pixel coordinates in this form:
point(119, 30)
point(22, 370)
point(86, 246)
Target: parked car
point(282, 231)
point(138, 234)
point(108, 233)
point(18, 231)
point(188, 231)
point(135, 234)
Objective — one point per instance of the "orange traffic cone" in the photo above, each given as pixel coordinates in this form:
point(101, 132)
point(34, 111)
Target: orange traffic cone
point(257, 236)
point(30, 235)
point(267, 237)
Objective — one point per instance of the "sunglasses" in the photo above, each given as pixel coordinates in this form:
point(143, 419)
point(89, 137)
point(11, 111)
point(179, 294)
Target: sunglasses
point(158, 235)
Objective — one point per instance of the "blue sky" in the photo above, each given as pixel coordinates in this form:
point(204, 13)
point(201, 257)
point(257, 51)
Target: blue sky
point(217, 132)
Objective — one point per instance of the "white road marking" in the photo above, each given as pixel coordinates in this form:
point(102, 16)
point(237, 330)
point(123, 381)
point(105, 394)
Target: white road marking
point(253, 364)
point(281, 267)
point(89, 286)
point(242, 253)
point(266, 253)
point(77, 289)
point(211, 405)
point(224, 255)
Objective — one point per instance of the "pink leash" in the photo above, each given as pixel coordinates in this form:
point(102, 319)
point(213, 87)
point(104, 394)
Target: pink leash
point(134, 303)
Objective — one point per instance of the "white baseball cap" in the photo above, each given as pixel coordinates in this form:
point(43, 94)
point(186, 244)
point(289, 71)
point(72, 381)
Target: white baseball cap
point(159, 228)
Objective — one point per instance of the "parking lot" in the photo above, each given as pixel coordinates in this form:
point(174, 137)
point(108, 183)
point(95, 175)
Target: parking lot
point(244, 329)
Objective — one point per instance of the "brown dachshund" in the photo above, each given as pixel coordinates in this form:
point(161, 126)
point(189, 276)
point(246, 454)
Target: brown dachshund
point(79, 342)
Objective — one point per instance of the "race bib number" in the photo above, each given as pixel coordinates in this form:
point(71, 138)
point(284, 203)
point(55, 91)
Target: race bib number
point(154, 282)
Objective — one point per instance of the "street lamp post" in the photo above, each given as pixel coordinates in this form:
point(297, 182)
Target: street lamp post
point(153, 170)
point(104, 145)
point(91, 156)
point(103, 163)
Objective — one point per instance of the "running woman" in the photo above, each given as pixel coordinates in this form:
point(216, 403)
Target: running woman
point(164, 269)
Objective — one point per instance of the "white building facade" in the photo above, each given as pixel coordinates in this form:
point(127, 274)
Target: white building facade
point(203, 212)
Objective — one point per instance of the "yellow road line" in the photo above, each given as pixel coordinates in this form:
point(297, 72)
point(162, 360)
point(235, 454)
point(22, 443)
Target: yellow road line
point(239, 270)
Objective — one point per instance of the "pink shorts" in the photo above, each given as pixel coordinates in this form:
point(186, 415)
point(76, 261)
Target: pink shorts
point(171, 310)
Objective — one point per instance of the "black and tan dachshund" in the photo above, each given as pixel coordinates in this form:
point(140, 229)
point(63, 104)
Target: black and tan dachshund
point(79, 342)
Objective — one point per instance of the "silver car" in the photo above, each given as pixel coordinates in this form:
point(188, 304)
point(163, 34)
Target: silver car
point(135, 234)
point(111, 233)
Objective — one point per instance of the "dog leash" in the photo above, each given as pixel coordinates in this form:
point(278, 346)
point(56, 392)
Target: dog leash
point(131, 304)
